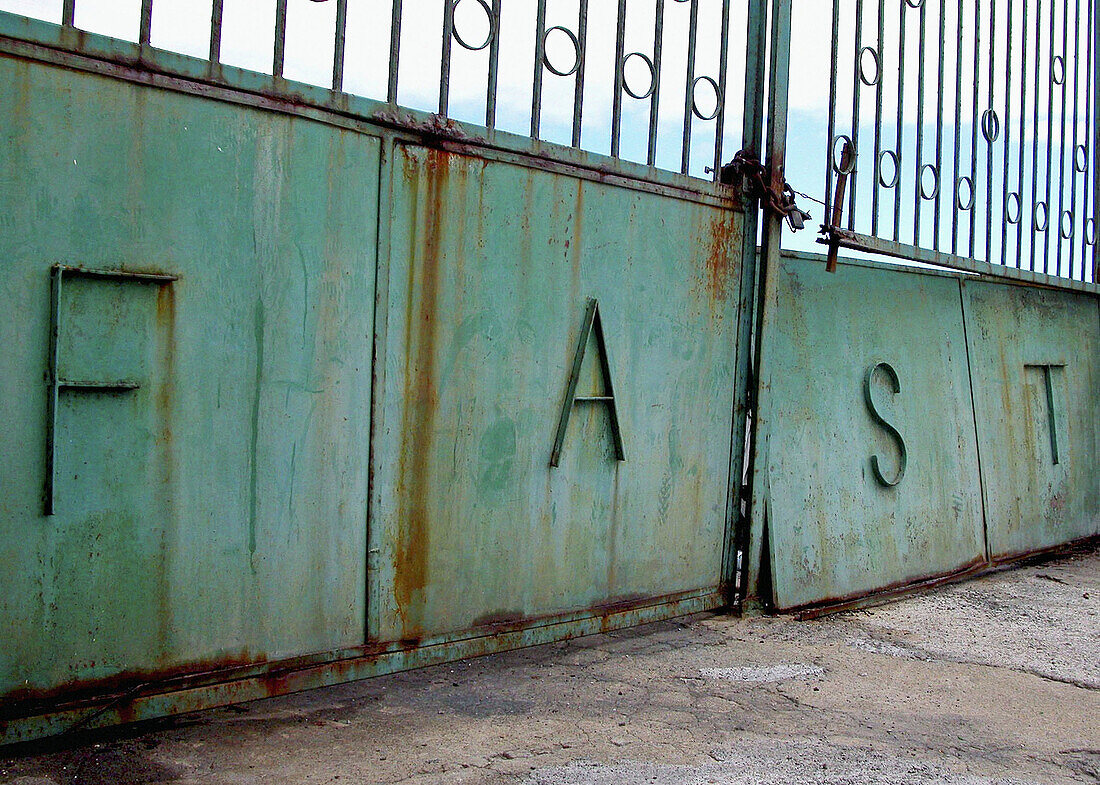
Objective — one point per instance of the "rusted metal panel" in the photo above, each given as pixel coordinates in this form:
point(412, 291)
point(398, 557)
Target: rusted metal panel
point(490, 271)
point(843, 354)
point(1035, 359)
point(216, 510)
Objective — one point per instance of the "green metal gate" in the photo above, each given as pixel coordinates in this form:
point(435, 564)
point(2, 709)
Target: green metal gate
point(338, 386)
point(916, 424)
point(349, 369)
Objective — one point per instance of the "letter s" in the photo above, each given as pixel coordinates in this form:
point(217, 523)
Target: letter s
point(902, 455)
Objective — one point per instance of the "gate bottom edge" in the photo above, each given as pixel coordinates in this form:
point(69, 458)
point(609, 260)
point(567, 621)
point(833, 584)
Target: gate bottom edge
point(273, 681)
point(973, 569)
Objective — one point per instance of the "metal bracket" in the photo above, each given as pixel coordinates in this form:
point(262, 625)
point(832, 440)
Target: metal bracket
point(55, 384)
point(847, 165)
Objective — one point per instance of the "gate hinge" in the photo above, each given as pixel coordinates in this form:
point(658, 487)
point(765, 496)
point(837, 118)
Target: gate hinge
point(752, 176)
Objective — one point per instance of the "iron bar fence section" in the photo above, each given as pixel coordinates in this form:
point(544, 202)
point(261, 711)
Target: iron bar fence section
point(1030, 170)
point(684, 133)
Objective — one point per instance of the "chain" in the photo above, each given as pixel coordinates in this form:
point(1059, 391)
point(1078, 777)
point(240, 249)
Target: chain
point(807, 196)
point(756, 185)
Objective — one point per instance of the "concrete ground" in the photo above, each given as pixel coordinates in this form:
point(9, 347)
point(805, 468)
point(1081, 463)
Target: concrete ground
point(995, 680)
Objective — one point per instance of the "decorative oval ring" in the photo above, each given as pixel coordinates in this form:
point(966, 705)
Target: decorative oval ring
point(891, 156)
point(1013, 200)
point(991, 125)
point(576, 52)
point(959, 194)
point(1081, 158)
point(1090, 231)
point(924, 194)
point(652, 76)
point(914, 4)
point(1066, 229)
point(492, 26)
point(1058, 70)
point(717, 98)
point(1037, 225)
point(861, 60)
point(852, 165)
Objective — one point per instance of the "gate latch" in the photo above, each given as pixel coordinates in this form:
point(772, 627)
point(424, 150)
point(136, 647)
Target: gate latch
point(754, 182)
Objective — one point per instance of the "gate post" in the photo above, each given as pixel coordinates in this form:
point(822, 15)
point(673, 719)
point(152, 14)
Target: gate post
point(751, 529)
point(752, 139)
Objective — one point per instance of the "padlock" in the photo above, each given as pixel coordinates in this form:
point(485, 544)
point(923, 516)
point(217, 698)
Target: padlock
point(797, 218)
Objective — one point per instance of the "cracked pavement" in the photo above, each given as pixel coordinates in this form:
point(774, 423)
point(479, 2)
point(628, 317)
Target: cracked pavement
point(993, 681)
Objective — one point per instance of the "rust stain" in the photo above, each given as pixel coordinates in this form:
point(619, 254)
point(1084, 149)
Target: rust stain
point(421, 393)
point(721, 259)
point(165, 395)
point(498, 618)
point(166, 322)
point(29, 701)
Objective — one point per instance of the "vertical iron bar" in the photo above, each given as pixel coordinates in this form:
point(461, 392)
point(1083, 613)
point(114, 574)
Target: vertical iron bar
point(578, 88)
point(494, 60)
point(856, 41)
point(68, 12)
point(145, 28)
point(1087, 186)
point(215, 55)
point(280, 39)
point(445, 57)
point(832, 115)
point(878, 117)
point(1035, 133)
point(958, 131)
point(658, 40)
point(939, 133)
point(536, 81)
point(901, 117)
point(693, 24)
point(974, 128)
point(338, 45)
point(1007, 125)
point(723, 57)
point(1023, 128)
point(1073, 159)
point(1092, 59)
point(989, 147)
point(1050, 144)
point(395, 51)
point(617, 97)
point(920, 127)
point(1062, 138)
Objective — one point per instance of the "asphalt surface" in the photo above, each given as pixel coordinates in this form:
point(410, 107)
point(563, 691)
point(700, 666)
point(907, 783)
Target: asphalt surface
point(992, 681)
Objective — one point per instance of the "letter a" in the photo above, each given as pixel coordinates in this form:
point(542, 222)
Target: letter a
point(591, 321)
